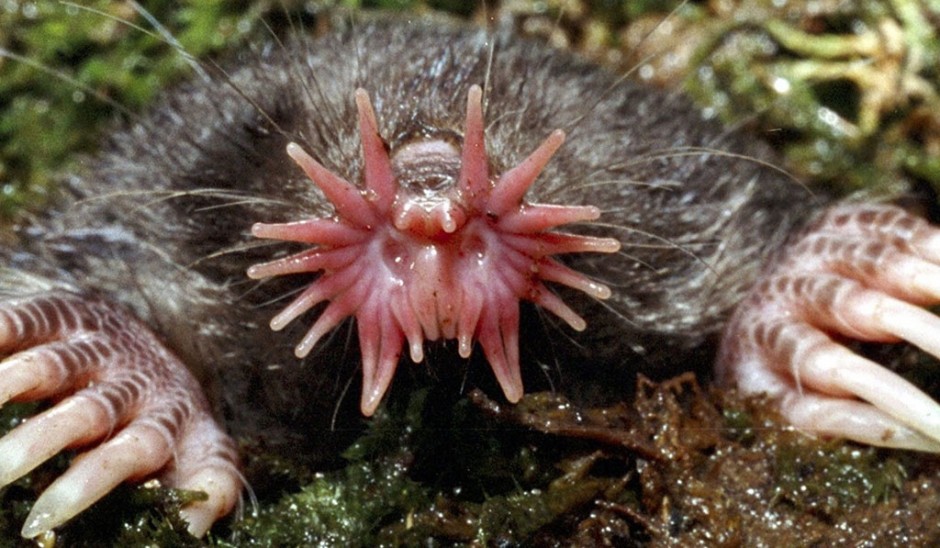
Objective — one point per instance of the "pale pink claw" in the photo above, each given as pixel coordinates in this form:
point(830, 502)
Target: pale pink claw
point(119, 385)
point(449, 263)
point(852, 275)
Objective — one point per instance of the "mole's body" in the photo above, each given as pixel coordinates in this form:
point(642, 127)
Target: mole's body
point(160, 228)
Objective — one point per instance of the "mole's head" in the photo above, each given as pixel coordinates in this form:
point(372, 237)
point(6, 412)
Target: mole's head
point(446, 255)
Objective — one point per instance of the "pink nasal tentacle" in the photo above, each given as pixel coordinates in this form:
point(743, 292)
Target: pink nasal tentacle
point(306, 261)
point(554, 271)
point(338, 310)
point(560, 243)
point(499, 337)
point(470, 311)
point(554, 304)
point(410, 326)
point(448, 217)
point(346, 198)
point(533, 218)
point(380, 354)
point(378, 168)
point(474, 179)
point(323, 289)
point(444, 218)
point(312, 231)
point(513, 184)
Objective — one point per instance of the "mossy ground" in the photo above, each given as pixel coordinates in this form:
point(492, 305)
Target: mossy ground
point(847, 92)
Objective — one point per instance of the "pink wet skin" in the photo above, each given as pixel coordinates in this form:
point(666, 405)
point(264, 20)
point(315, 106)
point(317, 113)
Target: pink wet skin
point(453, 265)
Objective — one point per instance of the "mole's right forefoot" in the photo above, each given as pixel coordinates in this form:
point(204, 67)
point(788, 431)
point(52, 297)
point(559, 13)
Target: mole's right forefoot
point(121, 393)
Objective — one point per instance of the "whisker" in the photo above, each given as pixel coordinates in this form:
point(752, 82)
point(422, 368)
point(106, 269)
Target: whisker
point(162, 33)
point(227, 79)
point(559, 329)
point(685, 151)
point(168, 37)
point(635, 245)
point(240, 247)
point(623, 253)
point(557, 193)
point(339, 400)
point(279, 298)
point(253, 286)
point(72, 81)
point(126, 22)
point(572, 126)
point(235, 197)
point(670, 244)
point(310, 85)
point(487, 77)
point(242, 202)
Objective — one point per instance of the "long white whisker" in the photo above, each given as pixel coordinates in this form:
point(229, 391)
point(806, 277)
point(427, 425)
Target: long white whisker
point(679, 152)
point(162, 33)
point(572, 126)
point(168, 37)
point(234, 197)
point(240, 247)
point(61, 75)
point(668, 243)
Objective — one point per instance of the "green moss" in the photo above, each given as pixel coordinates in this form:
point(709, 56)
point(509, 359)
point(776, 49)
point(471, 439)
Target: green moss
point(342, 509)
point(840, 91)
point(833, 479)
point(67, 71)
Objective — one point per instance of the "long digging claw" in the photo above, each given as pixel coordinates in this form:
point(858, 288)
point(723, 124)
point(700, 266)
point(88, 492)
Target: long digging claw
point(861, 272)
point(128, 400)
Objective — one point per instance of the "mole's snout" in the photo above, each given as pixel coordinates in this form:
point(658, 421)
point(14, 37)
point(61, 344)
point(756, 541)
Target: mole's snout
point(464, 255)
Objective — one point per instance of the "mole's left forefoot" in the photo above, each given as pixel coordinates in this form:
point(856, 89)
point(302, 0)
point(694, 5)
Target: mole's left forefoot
point(861, 272)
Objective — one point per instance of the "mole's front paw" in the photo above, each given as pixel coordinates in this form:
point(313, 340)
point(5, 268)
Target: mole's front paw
point(120, 393)
point(861, 272)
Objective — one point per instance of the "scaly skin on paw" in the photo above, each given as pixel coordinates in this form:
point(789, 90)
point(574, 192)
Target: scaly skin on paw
point(122, 394)
point(861, 272)
point(453, 263)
